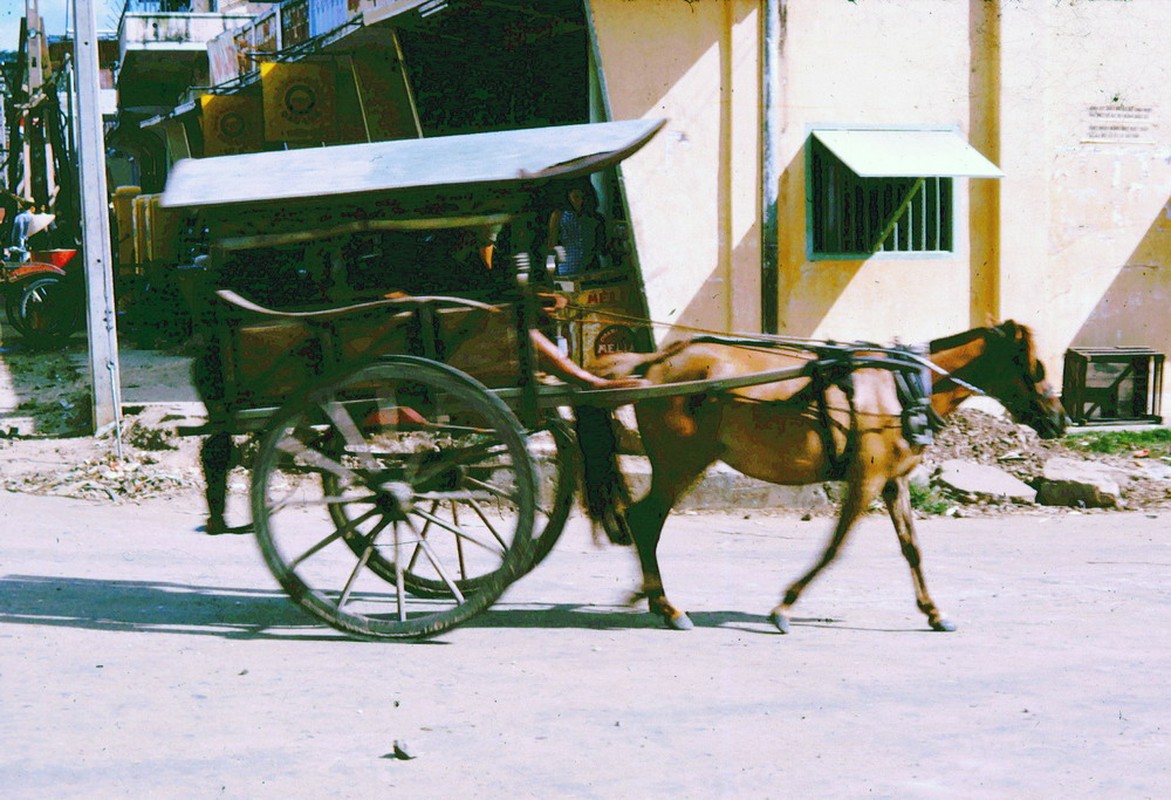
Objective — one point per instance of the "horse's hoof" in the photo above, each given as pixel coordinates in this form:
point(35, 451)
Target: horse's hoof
point(220, 529)
point(943, 625)
point(678, 621)
point(780, 621)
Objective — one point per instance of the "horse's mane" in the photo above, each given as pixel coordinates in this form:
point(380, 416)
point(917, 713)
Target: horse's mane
point(1010, 333)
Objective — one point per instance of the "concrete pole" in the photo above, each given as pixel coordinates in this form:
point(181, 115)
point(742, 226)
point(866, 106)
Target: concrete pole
point(772, 40)
point(985, 90)
point(105, 380)
point(34, 77)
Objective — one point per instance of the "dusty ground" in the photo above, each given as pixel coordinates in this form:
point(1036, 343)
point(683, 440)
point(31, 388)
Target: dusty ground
point(45, 408)
point(139, 659)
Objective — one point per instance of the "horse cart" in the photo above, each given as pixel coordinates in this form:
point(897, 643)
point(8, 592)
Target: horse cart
point(413, 460)
point(396, 490)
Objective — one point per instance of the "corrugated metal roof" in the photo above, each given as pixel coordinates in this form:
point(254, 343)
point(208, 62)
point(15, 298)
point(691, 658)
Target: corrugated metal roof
point(907, 154)
point(496, 158)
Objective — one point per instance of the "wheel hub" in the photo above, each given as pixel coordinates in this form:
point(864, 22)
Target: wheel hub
point(395, 498)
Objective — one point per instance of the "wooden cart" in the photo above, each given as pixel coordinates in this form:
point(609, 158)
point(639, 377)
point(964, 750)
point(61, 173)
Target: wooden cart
point(411, 463)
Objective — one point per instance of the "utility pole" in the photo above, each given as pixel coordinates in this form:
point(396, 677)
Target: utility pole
point(34, 78)
point(105, 380)
point(772, 36)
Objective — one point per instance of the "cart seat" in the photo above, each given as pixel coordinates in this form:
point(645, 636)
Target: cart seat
point(266, 355)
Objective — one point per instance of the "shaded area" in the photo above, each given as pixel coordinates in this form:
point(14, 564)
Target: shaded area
point(42, 393)
point(243, 613)
point(46, 393)
point(153, 606)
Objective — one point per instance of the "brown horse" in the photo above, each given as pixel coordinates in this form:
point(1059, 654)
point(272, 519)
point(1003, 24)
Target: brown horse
point(849, 417)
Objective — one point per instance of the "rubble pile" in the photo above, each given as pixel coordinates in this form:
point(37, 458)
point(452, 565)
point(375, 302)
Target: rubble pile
point(1061, 474)
point(104, 478)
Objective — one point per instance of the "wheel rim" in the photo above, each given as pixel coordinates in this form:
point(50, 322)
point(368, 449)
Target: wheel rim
point(402, 477)
point(43, 310)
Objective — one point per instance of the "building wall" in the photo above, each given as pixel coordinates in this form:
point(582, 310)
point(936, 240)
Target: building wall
point(1087, 234)
point(1074, 241)
point(871, 64)
point(693, 190)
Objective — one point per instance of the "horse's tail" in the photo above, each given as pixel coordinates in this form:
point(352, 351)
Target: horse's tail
point(607, 495)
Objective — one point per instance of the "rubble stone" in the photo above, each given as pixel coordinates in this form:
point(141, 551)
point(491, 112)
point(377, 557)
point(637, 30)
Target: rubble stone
point(1080, 484)
point(982, 482)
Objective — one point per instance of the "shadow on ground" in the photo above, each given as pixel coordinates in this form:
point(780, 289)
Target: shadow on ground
point(239, 613)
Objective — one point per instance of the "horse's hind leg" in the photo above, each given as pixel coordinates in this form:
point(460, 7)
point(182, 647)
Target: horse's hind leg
point(646, 518)
point(675, 463)
point(897, 496)
point(859, 494)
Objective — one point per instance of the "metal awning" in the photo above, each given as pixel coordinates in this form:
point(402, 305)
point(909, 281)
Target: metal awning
point(907, 154)
point(495, 160)
point(389, 9)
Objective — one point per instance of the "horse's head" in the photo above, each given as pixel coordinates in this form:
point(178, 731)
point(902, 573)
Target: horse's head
point(1007, 368)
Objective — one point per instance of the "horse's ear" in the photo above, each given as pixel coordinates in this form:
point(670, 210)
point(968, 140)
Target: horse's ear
point(1009, 329)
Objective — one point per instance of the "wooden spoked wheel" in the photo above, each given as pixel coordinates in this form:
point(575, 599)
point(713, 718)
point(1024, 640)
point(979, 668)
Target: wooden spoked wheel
point(554, 450)
point(395, 501)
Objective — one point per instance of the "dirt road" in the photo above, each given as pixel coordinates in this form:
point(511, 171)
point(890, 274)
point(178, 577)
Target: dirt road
point(141, 659)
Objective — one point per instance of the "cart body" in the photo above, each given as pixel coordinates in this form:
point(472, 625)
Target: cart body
point(395, 493)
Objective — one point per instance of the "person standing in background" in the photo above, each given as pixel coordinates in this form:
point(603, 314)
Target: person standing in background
point(576, 228)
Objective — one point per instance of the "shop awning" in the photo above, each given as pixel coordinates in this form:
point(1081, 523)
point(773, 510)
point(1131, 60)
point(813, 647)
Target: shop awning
point(907, 154)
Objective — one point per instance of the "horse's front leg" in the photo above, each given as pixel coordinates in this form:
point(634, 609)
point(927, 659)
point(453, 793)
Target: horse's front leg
point(897, 496)
point(859, 494)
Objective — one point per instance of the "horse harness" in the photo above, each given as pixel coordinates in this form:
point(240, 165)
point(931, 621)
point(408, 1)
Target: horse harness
point(834, 366)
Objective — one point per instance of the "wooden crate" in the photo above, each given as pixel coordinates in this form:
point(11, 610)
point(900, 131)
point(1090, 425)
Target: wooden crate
point(1112, 384)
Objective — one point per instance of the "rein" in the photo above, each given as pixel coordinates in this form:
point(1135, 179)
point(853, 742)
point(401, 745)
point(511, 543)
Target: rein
point(898, 359)
point(834, 363)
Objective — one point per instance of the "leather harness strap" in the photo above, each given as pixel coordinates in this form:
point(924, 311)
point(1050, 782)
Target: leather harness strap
point(824, 373)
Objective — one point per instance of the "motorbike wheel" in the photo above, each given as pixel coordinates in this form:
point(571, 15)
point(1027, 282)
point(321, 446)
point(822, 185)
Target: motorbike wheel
point(43, 310)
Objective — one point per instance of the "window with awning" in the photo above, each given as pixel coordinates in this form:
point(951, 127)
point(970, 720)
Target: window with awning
point(872, 191)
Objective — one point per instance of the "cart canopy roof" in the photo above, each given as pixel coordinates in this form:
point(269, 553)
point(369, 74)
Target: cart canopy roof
point(492, 161)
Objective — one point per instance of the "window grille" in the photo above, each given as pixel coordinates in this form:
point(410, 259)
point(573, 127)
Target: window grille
point(854, 217)
point(294, 23)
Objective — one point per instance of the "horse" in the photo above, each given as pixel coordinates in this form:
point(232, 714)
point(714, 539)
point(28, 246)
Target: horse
point(847, 417)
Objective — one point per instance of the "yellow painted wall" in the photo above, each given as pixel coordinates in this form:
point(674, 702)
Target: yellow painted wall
point(693, 191)
point(871, 64)
point(1087, 234)
point(1074, 241)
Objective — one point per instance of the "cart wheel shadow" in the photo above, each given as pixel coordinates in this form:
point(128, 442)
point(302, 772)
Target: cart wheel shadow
point(154, 606)
point(246, 613)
